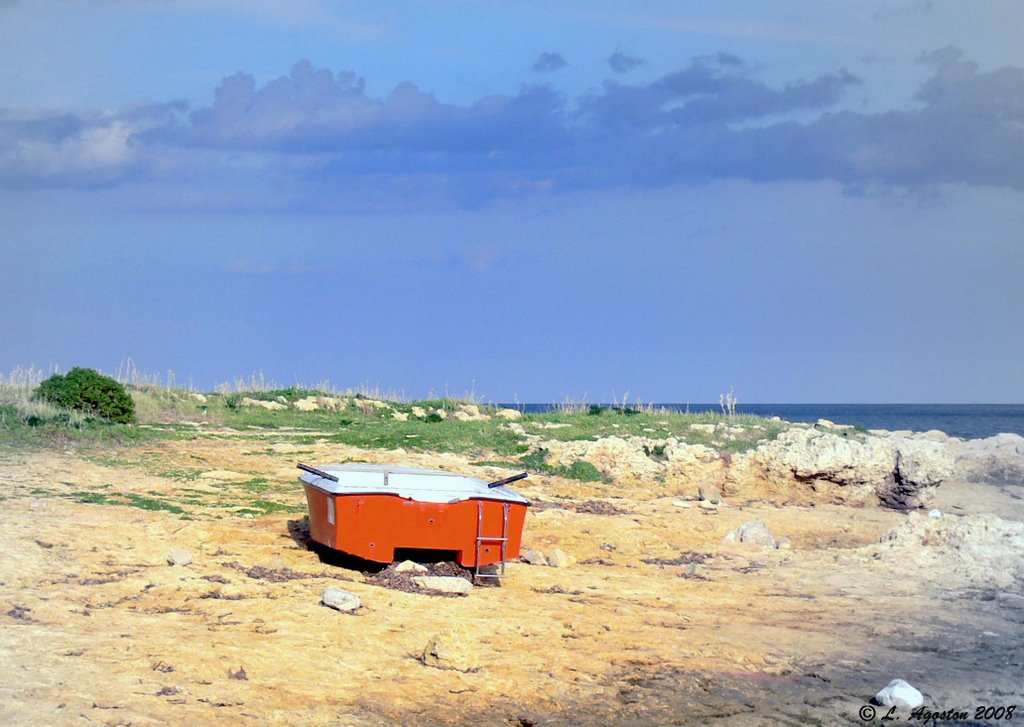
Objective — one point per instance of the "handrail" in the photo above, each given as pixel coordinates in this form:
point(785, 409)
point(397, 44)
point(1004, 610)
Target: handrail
point(315, 471)
point(507, 480)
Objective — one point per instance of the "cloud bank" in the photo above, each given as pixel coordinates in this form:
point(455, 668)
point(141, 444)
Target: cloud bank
point(715, 118)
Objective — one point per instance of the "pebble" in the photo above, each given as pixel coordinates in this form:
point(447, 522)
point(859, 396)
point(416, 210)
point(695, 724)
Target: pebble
point(178, 556)
point(558, 558)
point(340, 600)
point(935, 513)
point(899, 694)
point(444, 584)
point(710, 493)
point(533, 557)
point(755, 532)
point(452, 649)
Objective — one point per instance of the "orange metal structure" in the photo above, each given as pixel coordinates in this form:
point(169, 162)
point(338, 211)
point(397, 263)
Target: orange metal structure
point(371, 510)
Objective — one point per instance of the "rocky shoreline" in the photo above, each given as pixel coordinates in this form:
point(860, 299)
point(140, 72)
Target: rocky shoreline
point(784, 584)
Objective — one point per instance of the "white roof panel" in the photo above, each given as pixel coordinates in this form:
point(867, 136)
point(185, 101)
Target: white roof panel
point(422, 485)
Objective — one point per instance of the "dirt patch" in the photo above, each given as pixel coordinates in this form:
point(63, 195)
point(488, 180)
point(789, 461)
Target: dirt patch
point(687, 558)
point(403, 580)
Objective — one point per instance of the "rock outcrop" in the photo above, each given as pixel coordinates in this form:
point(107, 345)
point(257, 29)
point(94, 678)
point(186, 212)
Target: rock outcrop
point(994, 460)
point(900, 472)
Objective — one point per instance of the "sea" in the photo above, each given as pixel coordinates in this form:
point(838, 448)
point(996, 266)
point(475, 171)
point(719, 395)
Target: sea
point(967, 421)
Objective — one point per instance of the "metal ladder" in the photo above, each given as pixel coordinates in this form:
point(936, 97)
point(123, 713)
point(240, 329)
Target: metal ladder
point(481, 539)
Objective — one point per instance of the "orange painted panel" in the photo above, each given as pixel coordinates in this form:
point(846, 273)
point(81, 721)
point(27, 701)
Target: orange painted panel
point(373, 526)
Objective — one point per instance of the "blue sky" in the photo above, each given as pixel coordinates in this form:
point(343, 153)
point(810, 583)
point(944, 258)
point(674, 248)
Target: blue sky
point(805, 201)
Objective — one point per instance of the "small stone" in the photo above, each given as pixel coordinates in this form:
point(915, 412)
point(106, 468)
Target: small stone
point(558, 558)
point(783, 543)
point(340, 600)
point(408, 566)
point(755, 532)
point(533, 557)
point(935, 513)
point(609, 547)
point(178, 556)
point(899, 694)
point(682, 503)
point(709, 493)
point(444, 584)
point(451, 649)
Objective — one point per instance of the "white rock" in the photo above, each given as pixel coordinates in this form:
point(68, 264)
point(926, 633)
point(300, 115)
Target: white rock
point(418, 411)
point(755, 532)
point(558, 558)
point(682, 503)
point(270, 405)
point(935, 513)
point(178, 556)
point(899, 694)
point(509, 414)
point(444, 584)
point(408, 566)
point(399, 416)
point(533, 557)
point(340, 600)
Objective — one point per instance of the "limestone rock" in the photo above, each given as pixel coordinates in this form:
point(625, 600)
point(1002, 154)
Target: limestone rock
point(994, 460)
point(899, 694)
point(270, 405)
point(613, 457)
point(898, 471)
point(307, 404)
point(441, 413)
point(399, 416)
point(977, 550)
point(711, 493)
point(444, 584)
point(178, 556)
point(533, 557)
point(419, 412)
point(196, 396)
point(409, 566)
point(340, 600)
point(509, 414)
point(470, 413)
point(558, 558)
point(755, 532)
point(451, 649)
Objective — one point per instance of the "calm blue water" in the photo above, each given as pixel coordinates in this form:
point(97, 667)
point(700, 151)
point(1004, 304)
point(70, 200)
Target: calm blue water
point(969, 421)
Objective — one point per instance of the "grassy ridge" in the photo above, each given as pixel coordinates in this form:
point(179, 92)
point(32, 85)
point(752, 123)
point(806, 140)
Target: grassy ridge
point(429, 425)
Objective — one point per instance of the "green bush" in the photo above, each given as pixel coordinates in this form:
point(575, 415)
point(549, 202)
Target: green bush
point(90, 392)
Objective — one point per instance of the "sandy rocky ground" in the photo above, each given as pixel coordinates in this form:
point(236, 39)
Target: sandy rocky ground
point(659, 619)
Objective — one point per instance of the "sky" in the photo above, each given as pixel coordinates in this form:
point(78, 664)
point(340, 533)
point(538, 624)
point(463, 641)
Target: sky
point(531, 201)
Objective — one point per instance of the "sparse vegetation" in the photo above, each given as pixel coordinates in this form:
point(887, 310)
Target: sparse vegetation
point(363, 418)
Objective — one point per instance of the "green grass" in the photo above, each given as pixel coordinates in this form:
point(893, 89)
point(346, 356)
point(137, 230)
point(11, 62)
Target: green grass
point(169, 414)
point(579, 470)
point(128, 499)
